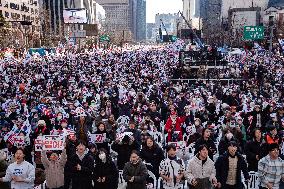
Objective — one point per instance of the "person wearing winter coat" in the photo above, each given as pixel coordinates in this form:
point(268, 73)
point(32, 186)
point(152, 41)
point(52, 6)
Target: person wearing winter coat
point(21, 173)
point(82, 167)
point(229, 168)
point(173, 127)
point(200, 172)
point(3, 167)
point(102, 130)
point(153, 154)
point(105, 172)
point(54, 169)
point(124, 149)
point(135, 172)
point(172, 169)
point(253, 150)
point(206, 140)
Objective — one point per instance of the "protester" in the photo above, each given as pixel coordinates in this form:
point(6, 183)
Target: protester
point(152, 153)
point(229, 168)
point(172, 169)
point(82, 164)
point(200, 172)
point(54, 169)
point(206, 140)
point(253, 150)
point(105, 171)
point(270, 169)
point(21, 173)
point(135, 172)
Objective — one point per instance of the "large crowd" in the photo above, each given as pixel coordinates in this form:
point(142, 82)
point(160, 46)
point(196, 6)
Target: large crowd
point(201, 134)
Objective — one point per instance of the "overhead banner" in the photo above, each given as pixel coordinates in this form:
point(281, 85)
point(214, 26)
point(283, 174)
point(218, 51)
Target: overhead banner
point(75, 16)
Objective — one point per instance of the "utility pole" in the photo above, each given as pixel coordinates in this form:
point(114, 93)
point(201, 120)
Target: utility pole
point(271, 26)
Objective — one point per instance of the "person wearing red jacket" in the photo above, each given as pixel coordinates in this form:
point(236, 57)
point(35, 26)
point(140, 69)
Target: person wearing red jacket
point(173, 127)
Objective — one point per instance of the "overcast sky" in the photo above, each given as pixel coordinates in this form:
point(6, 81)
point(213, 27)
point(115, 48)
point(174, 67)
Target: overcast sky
point(162, 6)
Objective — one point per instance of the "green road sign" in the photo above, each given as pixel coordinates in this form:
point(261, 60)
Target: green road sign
point(174, 38)
point(104, 38)
point(253, 32)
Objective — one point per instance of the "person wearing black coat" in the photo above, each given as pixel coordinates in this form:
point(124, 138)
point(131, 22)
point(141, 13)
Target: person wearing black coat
point(71, 144)
point(206, 140)
point(136, 133)
point(135, 172)
point(82, 167)
point(153, 154)
point(102, 130)
point(253, 150)
point(225, 166)
point(124, 149)
point(105, 172)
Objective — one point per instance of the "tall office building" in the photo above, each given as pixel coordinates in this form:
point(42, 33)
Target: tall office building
point(138, 10)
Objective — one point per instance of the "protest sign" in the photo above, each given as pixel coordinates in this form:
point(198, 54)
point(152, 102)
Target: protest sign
point(19, 141)
point(38, 144)
point(98, 138)
point(53, 142)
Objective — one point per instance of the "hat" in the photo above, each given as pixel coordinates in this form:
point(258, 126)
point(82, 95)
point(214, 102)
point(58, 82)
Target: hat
point(271, 127)
point(41, 122)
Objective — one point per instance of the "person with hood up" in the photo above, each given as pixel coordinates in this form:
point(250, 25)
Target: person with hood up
point(105, 172)
point(82, 164)
point(135, 172)
point(54, 169)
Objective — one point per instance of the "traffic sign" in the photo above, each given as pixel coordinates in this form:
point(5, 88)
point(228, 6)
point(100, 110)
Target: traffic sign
point(253, 32)
point(104, 38)
point(77, 34)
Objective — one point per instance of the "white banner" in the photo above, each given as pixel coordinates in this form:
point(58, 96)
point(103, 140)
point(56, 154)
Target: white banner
point(53, 142)
point(98, 138)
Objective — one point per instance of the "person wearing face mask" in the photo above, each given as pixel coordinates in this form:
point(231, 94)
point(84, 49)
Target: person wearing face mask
point(54, 169)
point(105, 173)
point(172, 169)
point(206, 140)
point(223, 144)
point(21, 174)
point(82, 164)
point(229, 168)
point(135, 172)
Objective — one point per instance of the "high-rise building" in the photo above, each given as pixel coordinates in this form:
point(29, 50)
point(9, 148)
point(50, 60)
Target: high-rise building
point(170, 22)
point(53, 9)
point(20, 33)
point(139, 19)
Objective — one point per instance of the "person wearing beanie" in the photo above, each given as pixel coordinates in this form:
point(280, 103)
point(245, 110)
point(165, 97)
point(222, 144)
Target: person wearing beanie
point(270, 169)
point(229, 168)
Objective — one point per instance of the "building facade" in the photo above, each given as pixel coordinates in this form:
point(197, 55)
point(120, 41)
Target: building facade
point(13, 11)
point(140, 19)
point(170, 22)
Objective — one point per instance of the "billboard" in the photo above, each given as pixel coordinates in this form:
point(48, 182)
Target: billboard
point(75, 16)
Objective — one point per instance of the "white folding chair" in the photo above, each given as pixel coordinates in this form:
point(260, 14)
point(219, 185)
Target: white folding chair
point(253, 182)
point(152, 176)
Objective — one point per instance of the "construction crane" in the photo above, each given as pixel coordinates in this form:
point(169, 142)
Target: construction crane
point(195, 37)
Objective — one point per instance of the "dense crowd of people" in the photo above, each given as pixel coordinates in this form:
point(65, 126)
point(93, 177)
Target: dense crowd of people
point(150, 122)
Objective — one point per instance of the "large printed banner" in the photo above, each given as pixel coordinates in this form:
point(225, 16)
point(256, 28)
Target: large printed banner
point(49, 142)
point(98, 138)
point(53, 142)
